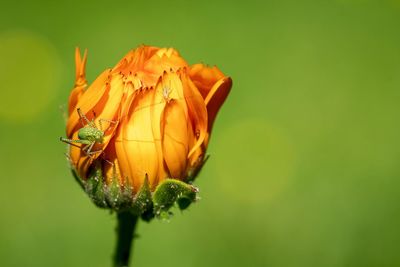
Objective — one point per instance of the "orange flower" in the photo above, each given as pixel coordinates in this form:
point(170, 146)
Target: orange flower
point(155, 113)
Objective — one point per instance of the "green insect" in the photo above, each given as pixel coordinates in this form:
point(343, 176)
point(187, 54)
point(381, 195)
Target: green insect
point(89, 134)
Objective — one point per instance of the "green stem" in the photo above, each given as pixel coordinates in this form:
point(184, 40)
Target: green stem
point(125, 232)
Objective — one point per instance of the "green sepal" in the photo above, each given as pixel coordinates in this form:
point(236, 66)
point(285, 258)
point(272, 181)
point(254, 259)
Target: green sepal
point(171, 191)
point(113, 194)
point(94, 187)
point(126, 195)
point(142, 201)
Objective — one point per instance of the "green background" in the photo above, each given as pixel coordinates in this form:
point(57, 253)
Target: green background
point(304, 167)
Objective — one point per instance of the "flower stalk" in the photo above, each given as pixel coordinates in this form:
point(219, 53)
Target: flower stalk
point(125, 234)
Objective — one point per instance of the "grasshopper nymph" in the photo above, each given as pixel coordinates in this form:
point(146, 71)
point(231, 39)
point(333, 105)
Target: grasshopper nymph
point(88, 135)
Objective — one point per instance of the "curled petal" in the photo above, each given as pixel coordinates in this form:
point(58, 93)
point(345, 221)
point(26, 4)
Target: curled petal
point(215, 98)
point(197, 111)
point(214, 86)
point(198, 152)
point(205, 77)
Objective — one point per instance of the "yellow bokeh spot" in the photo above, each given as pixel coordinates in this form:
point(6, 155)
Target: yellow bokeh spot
point(29, 75)
point(257, 161)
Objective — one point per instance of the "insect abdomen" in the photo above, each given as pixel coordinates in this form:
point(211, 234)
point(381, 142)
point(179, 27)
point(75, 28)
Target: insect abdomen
point(90, 134)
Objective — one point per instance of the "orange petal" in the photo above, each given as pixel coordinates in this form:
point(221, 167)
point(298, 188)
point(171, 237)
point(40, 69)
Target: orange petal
point(138, 142)
point(175, 141)
point(111, 169)
point(148, 79)
point(74, 97)
point(205, 77)
point(87, 101)
point(197, 111)
point(80, 67)
point(164, 60)
point(135, 59)
point(108, 107)
point(128, 98)
point(193, 158)
point(216, 98)
point(80, 80)
point(157, 109)
point(121, 154)
point(106, 111)
point(79, 159)
point(170, 87)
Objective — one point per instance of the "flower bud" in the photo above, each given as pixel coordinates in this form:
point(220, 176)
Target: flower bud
point(139, 133)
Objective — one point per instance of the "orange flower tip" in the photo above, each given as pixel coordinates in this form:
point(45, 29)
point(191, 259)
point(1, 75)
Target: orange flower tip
point(229, 81)
point(84, 60)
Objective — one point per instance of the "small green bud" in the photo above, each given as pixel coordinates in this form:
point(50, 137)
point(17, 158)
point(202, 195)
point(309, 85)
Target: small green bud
point(170, 191)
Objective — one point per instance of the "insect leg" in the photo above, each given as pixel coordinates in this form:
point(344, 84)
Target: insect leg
point(88, 148)
point(84, 118)
point(94, 152)
point(71, 141)
point(93, 123)
point(109, 162)
point(109, 121)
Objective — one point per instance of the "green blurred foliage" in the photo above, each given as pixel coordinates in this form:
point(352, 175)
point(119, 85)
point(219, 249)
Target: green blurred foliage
point(304, 167)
